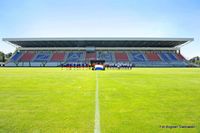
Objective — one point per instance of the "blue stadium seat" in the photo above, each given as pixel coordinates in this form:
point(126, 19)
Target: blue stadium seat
point(164, 57)
point(75, 57)
point(137, 57)
point(107, 56)
point(42, 57)
point(16, 56)
point(171, 56)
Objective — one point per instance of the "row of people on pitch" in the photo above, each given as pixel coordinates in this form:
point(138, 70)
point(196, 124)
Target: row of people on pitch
point(119, 66)
point(75, 65)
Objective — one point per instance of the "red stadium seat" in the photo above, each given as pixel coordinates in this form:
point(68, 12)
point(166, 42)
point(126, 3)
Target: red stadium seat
point(27, 57)
point(90, 56)
point(180, 57)
point(58, 57)
point(120, 56)
point(153, 57)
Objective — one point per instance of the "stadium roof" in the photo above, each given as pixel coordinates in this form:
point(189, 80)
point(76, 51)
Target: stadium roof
point(98, 42)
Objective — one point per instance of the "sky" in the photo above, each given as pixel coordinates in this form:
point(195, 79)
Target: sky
point(101, 18)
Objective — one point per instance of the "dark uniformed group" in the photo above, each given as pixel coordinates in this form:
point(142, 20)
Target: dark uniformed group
point(89, 66)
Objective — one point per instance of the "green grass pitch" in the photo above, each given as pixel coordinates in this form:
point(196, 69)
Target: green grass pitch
point(130, 101)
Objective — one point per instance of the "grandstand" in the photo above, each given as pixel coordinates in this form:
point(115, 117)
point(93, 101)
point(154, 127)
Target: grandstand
point(138, 52)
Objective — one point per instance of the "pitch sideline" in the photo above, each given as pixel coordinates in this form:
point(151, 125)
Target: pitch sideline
point(97, 112)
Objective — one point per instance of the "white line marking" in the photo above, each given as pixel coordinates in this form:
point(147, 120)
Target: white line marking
point(97, 112)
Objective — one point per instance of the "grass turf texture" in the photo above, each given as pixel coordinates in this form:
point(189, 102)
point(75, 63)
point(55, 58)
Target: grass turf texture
point(138, 100)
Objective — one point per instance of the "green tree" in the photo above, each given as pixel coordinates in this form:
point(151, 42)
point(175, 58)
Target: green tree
point(2, 57)
point(8, 55)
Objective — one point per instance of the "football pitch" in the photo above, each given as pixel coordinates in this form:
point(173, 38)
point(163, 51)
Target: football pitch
point(141, 100)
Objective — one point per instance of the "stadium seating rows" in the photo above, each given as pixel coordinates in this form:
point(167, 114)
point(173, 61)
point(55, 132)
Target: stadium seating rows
point(121, 56)
point(16, 57)
point(105, 55)
point(42, 57)
point(58, 57)
point(90, 56)
point(180, 57)
point(75, 57)
point(137, 58)
point(153, 56)
point(27, 57)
